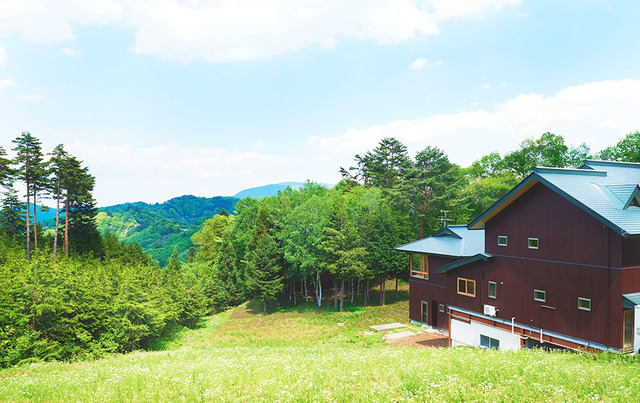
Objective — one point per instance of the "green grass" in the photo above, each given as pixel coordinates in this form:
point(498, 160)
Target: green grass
point(306, 353)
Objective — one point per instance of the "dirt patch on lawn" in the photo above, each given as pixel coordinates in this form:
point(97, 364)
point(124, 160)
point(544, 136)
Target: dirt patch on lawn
point(422, 339)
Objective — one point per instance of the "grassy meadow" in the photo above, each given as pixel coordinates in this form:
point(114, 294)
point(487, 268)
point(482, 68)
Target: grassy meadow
point(306, 353)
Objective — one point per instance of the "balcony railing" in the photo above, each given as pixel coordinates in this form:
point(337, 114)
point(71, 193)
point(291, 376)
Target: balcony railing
point(420, 274)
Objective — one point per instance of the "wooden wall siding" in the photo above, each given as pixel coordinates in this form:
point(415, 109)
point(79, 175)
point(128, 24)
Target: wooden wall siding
point(566, 233)
point(516, 280)
point(420, 290)
point(630, 281)
point(433, 289)
point(631, 252)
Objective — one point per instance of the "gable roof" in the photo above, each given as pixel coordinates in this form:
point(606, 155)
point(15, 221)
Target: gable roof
point(608, 191)
point(451, 241)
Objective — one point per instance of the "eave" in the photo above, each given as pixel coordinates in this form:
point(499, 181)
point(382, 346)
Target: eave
point(530, 181)
point(463, 262)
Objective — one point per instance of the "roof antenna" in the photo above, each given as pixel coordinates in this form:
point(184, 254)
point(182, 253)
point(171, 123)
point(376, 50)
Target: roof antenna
point(444, 218)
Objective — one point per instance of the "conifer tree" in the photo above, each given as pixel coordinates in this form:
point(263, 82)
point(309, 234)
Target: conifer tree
point(57, 164)
point(29, 166)
point(80, 208)
point(264, 278)
point(12, 219)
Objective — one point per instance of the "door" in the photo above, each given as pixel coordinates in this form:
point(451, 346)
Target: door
point(425, 312)
point(434, 313)
point(628, 330)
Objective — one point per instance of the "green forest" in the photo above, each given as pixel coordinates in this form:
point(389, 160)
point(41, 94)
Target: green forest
point(71, 292)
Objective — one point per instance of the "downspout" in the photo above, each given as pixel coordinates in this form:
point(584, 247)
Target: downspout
point(449, 314)
point(482, 288)
point(606, 312)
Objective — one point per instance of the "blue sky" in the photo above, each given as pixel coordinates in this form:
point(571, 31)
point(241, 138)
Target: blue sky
point(171, 97)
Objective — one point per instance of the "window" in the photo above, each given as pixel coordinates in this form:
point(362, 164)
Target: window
point(421, 265)
point(488, 342)
point(466, 287)
point(502, 240)
point(534, 243)
point(425, 311)
point(493, 289)
point(441, 308)
point(539, 295)
point(584, 304)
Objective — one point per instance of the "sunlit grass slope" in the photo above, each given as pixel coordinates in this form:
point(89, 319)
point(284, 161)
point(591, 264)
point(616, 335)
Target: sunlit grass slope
point(306, 353)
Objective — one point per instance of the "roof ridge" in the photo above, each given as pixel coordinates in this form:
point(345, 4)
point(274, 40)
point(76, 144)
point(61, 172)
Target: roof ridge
point(605, 162)
point(574, 171)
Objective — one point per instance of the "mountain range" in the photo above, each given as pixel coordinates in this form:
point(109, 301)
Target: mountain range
point(160, 228)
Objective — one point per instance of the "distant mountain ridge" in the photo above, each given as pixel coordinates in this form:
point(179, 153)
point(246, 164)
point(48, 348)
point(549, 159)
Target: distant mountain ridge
point(184, 209)
point(267, 190)
point(160, 228)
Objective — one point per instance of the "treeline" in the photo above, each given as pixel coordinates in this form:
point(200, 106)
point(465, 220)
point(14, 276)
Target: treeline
point(94, 296)
point(291, 244)
point(81, 306)
point(58, 176)
point(287, 245)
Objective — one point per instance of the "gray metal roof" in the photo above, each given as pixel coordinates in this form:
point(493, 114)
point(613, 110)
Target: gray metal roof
point(630, 300)
point(608, 195)
point(453, 241)
point(603, 189)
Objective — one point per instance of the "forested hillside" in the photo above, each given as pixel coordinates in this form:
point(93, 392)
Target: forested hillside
point(162, 227)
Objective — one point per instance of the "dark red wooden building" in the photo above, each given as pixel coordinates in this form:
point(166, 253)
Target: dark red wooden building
point(556, 261)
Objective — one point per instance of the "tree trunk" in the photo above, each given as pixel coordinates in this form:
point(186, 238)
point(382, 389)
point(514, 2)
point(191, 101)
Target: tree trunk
point(342, 295)
point(381, 281)
point(306, 295)
point(28, 223)
point(66, 226)
point(365, 292)
point(293, 289)
point(383, 290)
point(35, 222)
point(319, 288)
point(55, 232)
point(335, 295)
point(265, 306)
point(396, 299)
point(352, 291)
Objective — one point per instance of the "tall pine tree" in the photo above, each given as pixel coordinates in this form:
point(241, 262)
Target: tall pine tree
point(29, 170)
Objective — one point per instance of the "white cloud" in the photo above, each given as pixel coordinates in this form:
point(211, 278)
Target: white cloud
point(69, 52)
point(31, 98)
point(160, 172)
point(421, 63)
point(7, 82)
point(225, 30)
point(3, 56)
point(418, 64)
point(597, 113)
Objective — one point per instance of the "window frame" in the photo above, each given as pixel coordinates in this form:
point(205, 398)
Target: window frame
point(423, 265)
point(441, 308)
point(544, 299)
point(466, 287)
point(581, 299)
point(505, 238)
point(495, 290)
point(537, 241)
point(489, 342)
